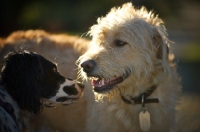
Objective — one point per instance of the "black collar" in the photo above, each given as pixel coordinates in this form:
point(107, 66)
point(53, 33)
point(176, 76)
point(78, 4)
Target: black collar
point(142, 98)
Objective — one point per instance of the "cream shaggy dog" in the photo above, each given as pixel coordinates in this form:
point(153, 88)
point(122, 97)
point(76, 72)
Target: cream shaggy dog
point(132, 73)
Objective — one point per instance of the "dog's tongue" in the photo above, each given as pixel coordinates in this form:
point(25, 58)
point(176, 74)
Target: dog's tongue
point(103, 82)
point(101, 85)
point(96, 83)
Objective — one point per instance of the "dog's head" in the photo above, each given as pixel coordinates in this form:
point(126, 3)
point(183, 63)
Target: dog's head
point(129, 48)
point(33, 81)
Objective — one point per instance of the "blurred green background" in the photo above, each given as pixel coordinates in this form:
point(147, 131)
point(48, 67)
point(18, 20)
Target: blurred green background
point(182, 19)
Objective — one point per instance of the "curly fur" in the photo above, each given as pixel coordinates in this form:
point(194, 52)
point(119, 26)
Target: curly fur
point(21, 76)
point(143, 60)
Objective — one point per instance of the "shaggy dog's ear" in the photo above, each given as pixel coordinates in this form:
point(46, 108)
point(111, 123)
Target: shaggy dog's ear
point(159, 44)
point(21, 76)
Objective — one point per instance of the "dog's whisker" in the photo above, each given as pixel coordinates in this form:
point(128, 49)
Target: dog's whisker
point(83, 34)
point(55, 57)
point(79, 77)
point(75, 69)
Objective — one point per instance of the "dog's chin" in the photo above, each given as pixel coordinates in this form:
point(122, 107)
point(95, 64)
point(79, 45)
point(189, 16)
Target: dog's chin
point(59, 101)
point(105, 85)
point(48, 103)
point(66, 100)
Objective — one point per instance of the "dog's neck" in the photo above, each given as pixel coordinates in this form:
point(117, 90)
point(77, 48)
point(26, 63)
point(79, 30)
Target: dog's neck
point(142, 98)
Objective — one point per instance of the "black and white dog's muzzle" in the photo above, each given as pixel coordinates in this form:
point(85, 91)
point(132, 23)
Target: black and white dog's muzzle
point(68, 92)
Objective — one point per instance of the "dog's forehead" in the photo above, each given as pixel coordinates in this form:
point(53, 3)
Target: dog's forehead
point(47, 63)
point(127, 19)
point(108, 38)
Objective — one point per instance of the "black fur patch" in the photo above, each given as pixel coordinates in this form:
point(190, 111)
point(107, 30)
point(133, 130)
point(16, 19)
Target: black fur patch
point(70, 90)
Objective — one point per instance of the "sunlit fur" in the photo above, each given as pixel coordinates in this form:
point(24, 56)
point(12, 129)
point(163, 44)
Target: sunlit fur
point(146, 62)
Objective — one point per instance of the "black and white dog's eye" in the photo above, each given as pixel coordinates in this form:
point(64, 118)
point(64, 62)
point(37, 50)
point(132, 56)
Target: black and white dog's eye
point(55, 69)
point(120, 43)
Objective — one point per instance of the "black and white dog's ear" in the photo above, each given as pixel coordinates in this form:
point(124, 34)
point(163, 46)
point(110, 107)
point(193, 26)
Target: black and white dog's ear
point(21, 76)
point(38, 67)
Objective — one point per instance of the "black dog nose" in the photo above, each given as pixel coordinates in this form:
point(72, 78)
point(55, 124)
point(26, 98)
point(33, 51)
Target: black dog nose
point(88, 66)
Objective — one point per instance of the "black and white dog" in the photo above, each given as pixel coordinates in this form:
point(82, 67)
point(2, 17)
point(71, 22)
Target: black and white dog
point(27, 82)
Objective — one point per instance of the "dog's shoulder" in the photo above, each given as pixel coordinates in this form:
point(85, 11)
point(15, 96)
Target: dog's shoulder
point(5, 97)
point(7, 123)
point(9, 113)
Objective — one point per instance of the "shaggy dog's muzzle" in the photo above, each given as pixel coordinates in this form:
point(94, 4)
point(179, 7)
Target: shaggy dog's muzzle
point(100, 83)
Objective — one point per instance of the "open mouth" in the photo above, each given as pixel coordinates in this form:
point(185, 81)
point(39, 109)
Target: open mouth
point(103, 85)
point(61, 100)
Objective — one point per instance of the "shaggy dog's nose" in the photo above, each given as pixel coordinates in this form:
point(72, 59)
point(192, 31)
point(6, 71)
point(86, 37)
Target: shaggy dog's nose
point(88, 66)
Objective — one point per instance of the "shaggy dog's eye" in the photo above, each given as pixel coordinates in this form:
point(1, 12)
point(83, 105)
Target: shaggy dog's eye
point(120, 43)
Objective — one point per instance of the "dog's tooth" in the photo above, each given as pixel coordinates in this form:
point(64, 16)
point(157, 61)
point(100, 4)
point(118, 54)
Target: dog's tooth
point(95, 78)
point(102, 82)
point(105, 81)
